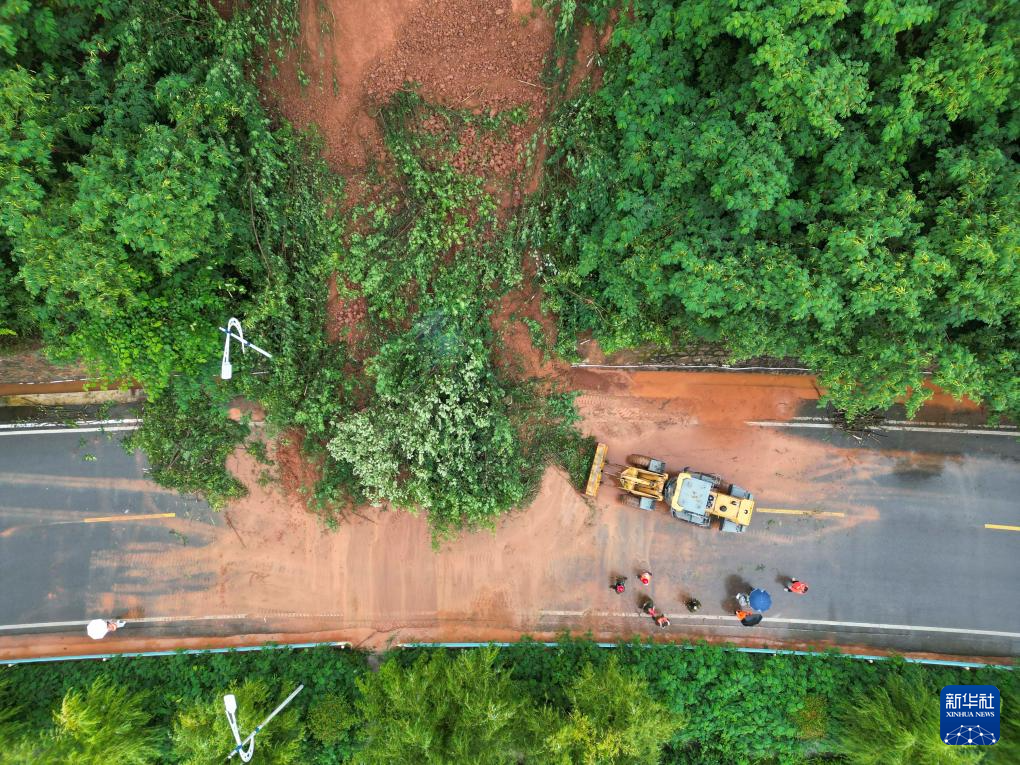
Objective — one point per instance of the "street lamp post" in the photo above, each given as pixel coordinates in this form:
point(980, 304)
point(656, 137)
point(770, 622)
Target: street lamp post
point(230, 703)
point(233, 325)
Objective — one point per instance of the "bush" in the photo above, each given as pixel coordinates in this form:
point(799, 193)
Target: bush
point(332, 719)
point(187, 437)
point(438, 435)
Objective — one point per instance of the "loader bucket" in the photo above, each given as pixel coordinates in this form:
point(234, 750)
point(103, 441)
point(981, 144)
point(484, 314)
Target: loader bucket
point(595, 474)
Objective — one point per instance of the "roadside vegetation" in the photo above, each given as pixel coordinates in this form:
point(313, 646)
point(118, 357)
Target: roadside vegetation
point(151, 195)
point(526, 703)
point(837, 182)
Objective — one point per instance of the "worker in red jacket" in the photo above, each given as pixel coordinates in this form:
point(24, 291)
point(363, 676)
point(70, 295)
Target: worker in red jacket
point(797, 587)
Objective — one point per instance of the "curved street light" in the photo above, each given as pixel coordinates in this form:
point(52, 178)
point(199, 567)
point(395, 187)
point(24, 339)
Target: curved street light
point(234, 325)
point(230, 703)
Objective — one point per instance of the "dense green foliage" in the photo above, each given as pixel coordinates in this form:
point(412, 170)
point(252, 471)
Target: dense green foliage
point(187, 439)
point(102, 723)
point(201, 728)
point(525, 703)
point(438, 435)
point(897, 724)
point(834, 181)
point(612, 721)
point(147, 196)
point(135, 148)
point(443, 710)
point(183, 696)
point(17, 311)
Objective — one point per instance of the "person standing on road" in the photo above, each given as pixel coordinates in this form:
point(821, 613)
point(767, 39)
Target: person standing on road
point(749, 618)
point(619, 585)
point(797, 587)
point(646, 578)
point(98, 628)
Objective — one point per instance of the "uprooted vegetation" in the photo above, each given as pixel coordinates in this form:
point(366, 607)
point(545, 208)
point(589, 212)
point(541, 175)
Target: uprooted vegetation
point(191, 202)
point(440, 428)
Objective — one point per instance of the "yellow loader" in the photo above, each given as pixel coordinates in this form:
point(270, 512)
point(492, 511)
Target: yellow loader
point(690, 495)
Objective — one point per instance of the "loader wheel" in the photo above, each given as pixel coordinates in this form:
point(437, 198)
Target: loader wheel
point(630, 501)
point(639, 461)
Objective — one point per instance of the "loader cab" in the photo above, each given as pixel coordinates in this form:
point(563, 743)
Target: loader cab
point(698, 497)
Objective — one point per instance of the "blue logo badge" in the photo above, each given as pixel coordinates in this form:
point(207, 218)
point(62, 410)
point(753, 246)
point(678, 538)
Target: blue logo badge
point(970, 714)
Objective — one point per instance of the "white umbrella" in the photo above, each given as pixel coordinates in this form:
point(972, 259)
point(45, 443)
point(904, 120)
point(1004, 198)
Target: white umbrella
point(97, 629)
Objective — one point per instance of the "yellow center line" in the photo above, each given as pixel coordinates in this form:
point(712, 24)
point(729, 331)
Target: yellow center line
point(785, 511)
point(1001, 527)
point(117, 518)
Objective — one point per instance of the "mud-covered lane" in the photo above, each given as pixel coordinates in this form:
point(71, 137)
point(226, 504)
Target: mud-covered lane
point(904, 539)
point(901, 561)
point(72, 507)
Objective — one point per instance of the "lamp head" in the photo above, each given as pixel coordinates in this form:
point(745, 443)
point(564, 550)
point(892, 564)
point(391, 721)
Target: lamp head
point(226, 370)
point(230, 703)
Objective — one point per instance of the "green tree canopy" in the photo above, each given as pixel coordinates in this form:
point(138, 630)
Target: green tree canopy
point(104, 724)
point(134, 155)
point(897, 724)
point(443, 710)
point(202, 736)
point(836, 181)
point(438, 435)
point(613, 720)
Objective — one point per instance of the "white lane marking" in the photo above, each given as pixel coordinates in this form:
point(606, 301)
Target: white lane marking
point(43, 431)
point(171, 619)
point(78, 423)
point(962, 431)
point(142, 620)
point(910, 422)
point(773, 620)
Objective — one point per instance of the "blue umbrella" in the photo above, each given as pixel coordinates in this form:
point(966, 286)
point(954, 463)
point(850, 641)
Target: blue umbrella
point(760, 600)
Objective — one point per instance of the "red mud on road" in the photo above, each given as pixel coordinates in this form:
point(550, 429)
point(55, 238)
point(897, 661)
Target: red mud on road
point(379, 575)
point(378, 580)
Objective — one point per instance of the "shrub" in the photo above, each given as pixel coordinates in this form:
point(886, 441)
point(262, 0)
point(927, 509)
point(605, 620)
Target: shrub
point(187, 437)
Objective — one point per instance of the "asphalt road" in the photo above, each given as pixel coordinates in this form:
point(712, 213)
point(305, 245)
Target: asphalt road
point(54, 564)
point(891, 532)
point(912, 548)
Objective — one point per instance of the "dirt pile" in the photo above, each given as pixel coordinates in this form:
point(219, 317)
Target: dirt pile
point(472, 53)
point(476, 54)
point(346, 315)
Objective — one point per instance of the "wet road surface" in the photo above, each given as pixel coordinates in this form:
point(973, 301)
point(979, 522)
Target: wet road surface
point(70, 505)
point(890, 531)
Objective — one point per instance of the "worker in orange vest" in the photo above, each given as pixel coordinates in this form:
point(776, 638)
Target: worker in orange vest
point(797, 587)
